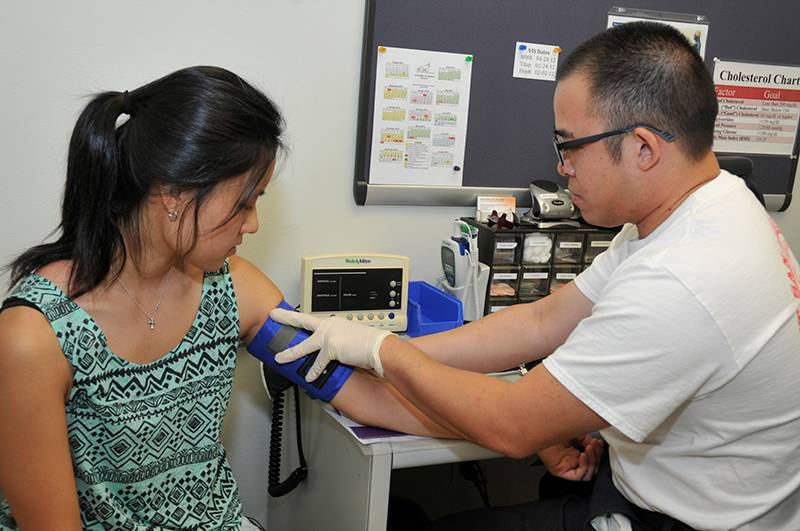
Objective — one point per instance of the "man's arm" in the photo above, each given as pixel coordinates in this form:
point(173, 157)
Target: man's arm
point(35, 464)
point(519, 334)
point(516, 419)
point(377, 402)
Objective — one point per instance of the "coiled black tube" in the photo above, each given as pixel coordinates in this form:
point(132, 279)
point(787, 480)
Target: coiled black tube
point(275, 486)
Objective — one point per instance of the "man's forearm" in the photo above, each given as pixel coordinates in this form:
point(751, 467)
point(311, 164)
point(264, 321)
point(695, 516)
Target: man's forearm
point(519, 334)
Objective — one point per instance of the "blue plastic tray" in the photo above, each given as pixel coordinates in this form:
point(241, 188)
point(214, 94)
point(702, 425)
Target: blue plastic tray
point(431, 310)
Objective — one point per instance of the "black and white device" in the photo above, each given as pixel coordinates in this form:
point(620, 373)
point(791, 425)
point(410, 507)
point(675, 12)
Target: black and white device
point(368, 288)
point(550, 201)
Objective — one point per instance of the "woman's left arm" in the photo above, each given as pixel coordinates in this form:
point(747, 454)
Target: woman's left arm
point(256, 295)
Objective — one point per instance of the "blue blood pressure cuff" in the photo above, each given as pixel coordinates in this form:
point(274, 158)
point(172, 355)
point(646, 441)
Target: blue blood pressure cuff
point(275, 337)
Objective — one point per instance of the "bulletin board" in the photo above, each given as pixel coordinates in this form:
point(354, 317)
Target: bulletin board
point(510, 119)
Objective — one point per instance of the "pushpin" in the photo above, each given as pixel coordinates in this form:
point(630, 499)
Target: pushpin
point(381, 49)
point(523, 47)
point(468, 58)
point(456, 168)
point(557, 50)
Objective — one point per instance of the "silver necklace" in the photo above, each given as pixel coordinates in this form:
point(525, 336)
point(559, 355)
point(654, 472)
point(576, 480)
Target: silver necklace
point(151, 318)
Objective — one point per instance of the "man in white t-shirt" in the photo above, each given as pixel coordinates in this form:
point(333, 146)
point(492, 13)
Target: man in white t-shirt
point(680, 344)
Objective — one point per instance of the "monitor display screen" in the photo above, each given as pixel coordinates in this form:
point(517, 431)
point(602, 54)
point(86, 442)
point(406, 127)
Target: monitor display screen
point(338, 290)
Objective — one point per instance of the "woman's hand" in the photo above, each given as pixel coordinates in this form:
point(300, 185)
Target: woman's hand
point(569, 461)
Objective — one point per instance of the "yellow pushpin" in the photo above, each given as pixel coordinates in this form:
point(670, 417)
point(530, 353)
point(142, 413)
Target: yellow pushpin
point(381, 49)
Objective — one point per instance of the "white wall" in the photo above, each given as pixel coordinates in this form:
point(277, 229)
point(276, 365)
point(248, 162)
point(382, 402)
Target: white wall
point(304, 53)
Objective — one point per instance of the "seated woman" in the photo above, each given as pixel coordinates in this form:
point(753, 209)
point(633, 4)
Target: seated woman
point(119, 341)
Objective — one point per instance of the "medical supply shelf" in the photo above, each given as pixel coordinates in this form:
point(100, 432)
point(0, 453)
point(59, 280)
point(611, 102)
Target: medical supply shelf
point(528, 262)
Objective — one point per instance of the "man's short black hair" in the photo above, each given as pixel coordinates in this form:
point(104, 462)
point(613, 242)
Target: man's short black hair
point(648, 72)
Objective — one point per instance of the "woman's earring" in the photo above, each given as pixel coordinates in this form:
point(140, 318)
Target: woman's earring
point(172, 215)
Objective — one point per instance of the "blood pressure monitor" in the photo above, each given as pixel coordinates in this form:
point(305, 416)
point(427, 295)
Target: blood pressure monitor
point(371, 289)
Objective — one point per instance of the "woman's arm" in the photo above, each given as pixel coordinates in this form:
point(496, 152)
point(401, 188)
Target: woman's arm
point(256, 295)
point(387, 407)
point(35, 463)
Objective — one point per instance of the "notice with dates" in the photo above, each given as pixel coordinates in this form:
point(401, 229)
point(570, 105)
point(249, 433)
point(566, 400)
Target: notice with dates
point(759, 108)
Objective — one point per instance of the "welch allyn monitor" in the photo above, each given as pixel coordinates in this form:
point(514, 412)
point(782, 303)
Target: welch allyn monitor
point(371, 289)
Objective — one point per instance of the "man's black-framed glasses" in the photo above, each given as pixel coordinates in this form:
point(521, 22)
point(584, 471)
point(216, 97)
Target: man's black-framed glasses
point(560, 147)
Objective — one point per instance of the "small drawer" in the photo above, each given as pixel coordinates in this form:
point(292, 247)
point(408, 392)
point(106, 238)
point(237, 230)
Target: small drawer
point(535, 282)
point(560, 275)
point(504, 283)
point(596, 243)
point(568, 248)
point(497, 306)
point(506, 249)
point(537, 248)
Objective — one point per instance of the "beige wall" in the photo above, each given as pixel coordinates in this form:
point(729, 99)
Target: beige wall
point(789, 221)
point(304, 53)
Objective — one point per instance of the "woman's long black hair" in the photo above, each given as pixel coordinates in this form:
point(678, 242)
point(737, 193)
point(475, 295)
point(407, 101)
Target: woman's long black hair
point(188, 131)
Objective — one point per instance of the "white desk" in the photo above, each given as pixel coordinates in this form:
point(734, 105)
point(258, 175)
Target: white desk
point(347, 487)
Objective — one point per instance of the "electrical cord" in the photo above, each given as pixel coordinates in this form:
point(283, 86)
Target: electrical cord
point(472, 472)
point(275, 486)
point(473, 262)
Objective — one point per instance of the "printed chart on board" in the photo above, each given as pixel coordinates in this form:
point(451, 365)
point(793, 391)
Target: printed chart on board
point(420, 117)
point(759, 108)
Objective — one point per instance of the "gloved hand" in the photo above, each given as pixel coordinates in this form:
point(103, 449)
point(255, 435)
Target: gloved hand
point(336, 338)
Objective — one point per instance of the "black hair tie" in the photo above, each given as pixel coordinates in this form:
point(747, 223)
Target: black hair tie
point(126, 103)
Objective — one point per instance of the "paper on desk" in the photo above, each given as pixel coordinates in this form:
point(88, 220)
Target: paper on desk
point(369, 434)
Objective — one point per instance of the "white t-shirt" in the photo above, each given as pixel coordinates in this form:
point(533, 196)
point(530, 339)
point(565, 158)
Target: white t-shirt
point(692, 355)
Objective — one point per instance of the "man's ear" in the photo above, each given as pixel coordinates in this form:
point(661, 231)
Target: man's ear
point(648, 149)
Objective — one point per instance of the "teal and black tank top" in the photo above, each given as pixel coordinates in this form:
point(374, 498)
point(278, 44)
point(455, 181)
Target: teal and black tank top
point(145, 439)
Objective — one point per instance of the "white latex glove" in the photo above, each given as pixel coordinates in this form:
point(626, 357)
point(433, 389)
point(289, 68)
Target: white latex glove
point(336, 338)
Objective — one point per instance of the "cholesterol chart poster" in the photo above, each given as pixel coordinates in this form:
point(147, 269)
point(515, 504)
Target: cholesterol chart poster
point(419, 124)
point(759, 108)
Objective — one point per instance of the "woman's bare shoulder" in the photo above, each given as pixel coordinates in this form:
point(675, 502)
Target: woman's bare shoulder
point(58, 273)
point(29, 347)
point(256, 295)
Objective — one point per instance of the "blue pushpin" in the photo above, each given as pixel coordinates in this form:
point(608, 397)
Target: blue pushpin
point(523, 47)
